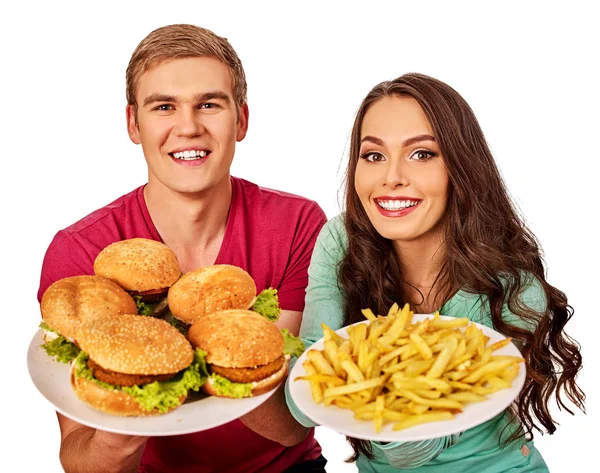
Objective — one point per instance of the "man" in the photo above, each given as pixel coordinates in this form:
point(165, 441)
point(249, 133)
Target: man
point(186, 93)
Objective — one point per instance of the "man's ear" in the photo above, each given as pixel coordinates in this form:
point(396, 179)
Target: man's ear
point(242, 122)
point(132, 126)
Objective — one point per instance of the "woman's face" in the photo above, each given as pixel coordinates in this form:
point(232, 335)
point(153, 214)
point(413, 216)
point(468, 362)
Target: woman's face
point(401, 178)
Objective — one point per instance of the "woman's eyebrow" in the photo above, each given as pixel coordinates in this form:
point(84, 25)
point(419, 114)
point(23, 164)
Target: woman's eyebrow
point(407, 142)
point(417, 139)
point(372, 139)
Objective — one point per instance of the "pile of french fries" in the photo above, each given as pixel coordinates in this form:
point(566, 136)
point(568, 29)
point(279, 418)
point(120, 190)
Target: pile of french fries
point(394, 370)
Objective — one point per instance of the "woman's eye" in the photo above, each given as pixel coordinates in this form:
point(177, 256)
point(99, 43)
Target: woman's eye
point(422, 155)
point(373, 157)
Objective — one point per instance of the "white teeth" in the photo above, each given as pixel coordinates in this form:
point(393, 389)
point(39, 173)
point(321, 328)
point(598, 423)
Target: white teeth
point(190, 155)
point(396, 204)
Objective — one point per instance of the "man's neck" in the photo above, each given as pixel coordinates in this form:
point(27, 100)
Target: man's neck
point(192, 225)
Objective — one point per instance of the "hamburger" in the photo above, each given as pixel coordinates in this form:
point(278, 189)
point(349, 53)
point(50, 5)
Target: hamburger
point(216, 288)
point(71, 301)
point(144, 268)
point(135, 366)
point(246, 355)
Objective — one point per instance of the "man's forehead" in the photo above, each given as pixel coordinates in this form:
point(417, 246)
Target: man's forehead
point(185, 76)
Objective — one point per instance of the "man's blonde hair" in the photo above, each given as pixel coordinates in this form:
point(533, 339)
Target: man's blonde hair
point(179, 42)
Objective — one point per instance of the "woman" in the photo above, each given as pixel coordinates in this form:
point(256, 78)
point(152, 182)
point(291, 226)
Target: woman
point(429, 221)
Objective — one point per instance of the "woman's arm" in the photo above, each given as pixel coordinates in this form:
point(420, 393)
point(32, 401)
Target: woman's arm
point(323, 301)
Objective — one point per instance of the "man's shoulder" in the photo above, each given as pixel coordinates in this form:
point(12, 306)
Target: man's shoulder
point(106, 217)
point(272, 197)
point(277, 212)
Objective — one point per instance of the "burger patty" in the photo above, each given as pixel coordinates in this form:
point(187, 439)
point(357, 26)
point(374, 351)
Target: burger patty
point(248, 375)
point(119, 379)
point(152, 295)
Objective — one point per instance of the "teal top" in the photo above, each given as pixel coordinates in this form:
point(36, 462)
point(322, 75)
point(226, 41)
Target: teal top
point(475, 450)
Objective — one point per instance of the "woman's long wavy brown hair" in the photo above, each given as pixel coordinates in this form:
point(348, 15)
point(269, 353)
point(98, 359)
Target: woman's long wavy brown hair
point(488, 250)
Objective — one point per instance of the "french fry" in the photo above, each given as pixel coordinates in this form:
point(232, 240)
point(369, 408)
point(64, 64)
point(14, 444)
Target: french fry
point(421, 346)
point(379, 407)
point(500, 344)
point(393, 310)
point(491, 367)
point(431, 394)
point(353, 387)
point(510, 372)
point(400, 321)
point(315, 387)
point(368, 313)
point(354, 373)
point(357, 335)
point(442, 360)
point(402, 366)
point(330, 350)
point(439, 323)
point(466, 396)
point(322, 378)
point(329, 334)
point(443, 403)
point(320, 363)
point(418, 367)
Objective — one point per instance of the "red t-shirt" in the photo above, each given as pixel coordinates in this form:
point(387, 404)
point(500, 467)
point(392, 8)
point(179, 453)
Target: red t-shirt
point(271, 234)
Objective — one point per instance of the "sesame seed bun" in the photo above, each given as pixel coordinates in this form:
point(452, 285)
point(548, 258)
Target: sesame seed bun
point(237, 339)
point(258, 387)
point(114, 402)
point(211, 289)
point(136, 345)
point(138, 264)
point(71, 301)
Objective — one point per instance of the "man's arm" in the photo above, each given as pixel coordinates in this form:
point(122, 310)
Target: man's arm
point(87, 450)
point(286, 431)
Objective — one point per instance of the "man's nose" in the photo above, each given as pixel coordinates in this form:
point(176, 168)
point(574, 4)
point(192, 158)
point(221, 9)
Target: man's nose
point(189, 123)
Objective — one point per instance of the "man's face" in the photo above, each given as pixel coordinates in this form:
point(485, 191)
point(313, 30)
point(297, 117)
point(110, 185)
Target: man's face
point(187, 124)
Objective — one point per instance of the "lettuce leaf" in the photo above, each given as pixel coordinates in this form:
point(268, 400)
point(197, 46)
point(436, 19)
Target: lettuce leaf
point(60, 348)
point(162, 396)
point(224, 387)
point(179, 325)
point(144, 308)
point(293, 345)
point(267, 304)
point(46, 327)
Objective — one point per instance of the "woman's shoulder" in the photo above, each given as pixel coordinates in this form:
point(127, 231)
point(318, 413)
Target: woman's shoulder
point(530, 288)
point(333, 234)
point(475, 305)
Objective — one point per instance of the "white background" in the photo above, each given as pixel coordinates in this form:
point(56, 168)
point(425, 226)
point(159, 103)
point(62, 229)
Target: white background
point(528, 69)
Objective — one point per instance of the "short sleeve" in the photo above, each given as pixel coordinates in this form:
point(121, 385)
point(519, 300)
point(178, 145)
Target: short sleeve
point(64, 257)
point(324, 298)
point(532, 296)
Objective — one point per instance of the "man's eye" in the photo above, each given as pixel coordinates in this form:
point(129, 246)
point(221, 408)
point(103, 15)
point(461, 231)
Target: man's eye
point(207, 106)
point(373, 157)
point(164, 107)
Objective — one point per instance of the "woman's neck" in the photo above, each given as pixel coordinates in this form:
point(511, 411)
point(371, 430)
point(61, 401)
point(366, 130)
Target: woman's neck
point(421, 261)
